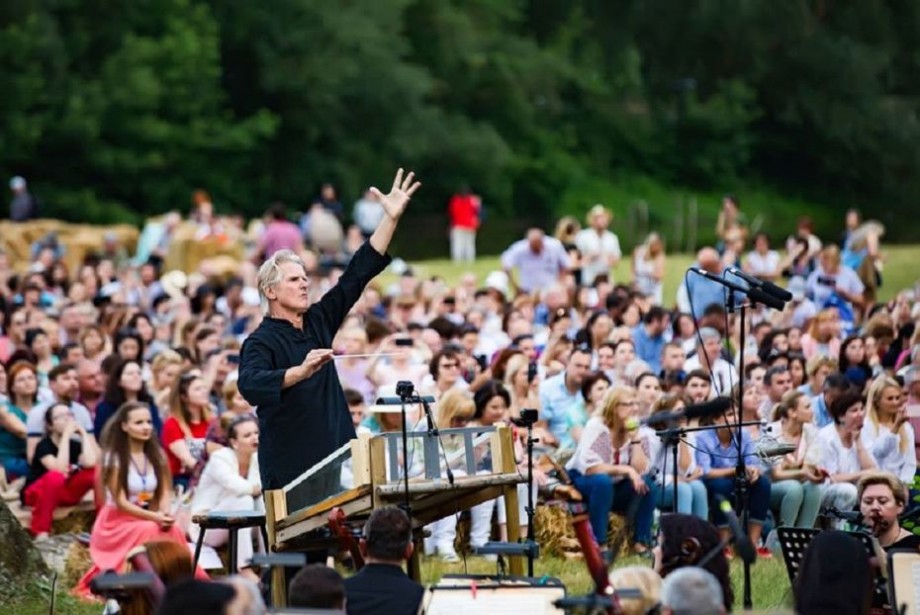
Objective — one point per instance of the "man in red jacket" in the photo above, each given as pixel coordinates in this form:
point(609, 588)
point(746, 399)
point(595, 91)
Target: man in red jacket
point(464, 210)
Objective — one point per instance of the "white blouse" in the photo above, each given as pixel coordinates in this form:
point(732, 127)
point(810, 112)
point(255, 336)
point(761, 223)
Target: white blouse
point(886, 449)
point(221, 480)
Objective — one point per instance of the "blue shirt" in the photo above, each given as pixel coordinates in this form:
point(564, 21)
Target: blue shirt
point(648, 348)
point(822, 415)
point(558, 404)
point(711, 455)
point(702, 293)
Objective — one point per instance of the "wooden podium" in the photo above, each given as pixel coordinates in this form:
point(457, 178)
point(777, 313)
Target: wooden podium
point(367, 473)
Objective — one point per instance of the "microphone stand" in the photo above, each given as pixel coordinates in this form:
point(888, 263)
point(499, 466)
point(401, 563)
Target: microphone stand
point(531, 536)
point(404, 397)
point(741, 481)
point(434, 433)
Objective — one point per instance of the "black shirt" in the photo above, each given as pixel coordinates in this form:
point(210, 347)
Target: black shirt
point(302, 424)
point(44, 448)
point(382, 588)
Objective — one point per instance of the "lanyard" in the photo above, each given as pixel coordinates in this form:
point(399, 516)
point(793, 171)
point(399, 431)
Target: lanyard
point(143, 475)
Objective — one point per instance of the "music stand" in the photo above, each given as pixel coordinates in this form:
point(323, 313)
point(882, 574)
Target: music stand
point(903, 567)
point(794, 542)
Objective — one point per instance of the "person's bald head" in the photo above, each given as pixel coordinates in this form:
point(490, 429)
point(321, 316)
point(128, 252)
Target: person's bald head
point(708, 259)
point(535, 239)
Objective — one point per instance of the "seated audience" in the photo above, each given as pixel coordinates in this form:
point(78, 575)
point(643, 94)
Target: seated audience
point(609, 465)
point(125, 382)
point(137, 508)
point(886, 432)
point(23, 385)
point(691, 492)
point(382, 586)
point(62, 470)
point(185, 429)
point(230, 482)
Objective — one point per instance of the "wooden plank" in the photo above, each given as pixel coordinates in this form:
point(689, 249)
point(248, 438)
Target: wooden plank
point(293, 531)
point(512, 512)
point(461, 482)
point(378, 465)
point(361, 460)
point(441, 506)
point(326, 505)
point(275, 510)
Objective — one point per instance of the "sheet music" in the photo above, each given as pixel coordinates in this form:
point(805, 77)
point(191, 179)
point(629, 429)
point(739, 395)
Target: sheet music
point(494, 603)
point(915, 576)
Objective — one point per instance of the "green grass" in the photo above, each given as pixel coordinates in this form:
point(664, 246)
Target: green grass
point(769, 583)
point(900, 270)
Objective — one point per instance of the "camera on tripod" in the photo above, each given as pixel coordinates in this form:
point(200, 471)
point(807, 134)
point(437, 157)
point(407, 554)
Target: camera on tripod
point(528, 417)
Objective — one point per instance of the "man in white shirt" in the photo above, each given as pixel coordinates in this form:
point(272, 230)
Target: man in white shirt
point(599, 247)
point(708, 358)
point(540, 261)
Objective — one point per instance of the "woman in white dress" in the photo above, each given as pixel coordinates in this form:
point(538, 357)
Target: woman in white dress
point(648, 267)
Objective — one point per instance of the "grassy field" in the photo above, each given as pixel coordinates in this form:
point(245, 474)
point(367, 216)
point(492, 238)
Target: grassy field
point(901, 270)
point(769, 583)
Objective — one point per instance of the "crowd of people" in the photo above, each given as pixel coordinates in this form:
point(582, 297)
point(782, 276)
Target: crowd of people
point(124, 380)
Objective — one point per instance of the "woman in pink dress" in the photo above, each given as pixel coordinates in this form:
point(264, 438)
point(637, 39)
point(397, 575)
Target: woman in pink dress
point(138, 493)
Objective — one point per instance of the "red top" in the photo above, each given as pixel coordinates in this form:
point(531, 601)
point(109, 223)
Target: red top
point(172, 432)
point(463, 210)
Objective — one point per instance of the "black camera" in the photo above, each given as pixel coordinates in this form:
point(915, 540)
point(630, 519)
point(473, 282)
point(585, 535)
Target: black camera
point(827, 281)
point(405, 389)
point(531, 372)
point(404, 341)
point(483, 362)
point(528, 417)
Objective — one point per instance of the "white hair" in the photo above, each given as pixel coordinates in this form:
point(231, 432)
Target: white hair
point(691, 591)
point(270, 273)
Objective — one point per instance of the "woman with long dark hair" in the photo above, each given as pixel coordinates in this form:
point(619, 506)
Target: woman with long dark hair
point(125, 383)
point(686, 540)
point(185, 430)
point(138, 492)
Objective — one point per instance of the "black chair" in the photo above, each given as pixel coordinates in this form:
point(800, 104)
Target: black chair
point(233, 521)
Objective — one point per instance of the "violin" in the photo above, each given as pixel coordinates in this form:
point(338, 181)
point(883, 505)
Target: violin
point(336, 521)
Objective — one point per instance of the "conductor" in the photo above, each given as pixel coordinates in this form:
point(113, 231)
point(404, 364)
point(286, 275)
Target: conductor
point(285, 363)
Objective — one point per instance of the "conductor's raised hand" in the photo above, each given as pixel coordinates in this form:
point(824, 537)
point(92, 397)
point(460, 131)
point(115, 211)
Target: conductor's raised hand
point(314, 360)
point(394, 203)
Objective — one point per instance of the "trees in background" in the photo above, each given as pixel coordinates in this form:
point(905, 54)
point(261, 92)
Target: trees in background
point(121, 106)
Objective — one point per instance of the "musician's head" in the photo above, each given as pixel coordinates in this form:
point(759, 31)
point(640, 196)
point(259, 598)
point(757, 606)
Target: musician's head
point(691, 591)
point(640, 578)
point(687, 540)
point(317, 586)
point(387, 536)
point(835, 576)
point(284, 287)
point(882, 497)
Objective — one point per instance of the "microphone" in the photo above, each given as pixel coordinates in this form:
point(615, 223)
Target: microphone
point(708, 408)
point(743, 545)
point(768, 448)
point(755, 294)
point(768, 287)
point(396, 401)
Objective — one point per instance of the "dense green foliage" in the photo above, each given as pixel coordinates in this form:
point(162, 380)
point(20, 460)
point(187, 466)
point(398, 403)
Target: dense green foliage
point(542, 106)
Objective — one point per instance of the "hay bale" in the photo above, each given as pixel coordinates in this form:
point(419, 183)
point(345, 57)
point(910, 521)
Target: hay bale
point(77, 521)
point(77, 564)
point(556, 536)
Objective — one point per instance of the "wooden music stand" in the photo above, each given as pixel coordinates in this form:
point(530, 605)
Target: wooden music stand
point(794, 542)
point(296, 513)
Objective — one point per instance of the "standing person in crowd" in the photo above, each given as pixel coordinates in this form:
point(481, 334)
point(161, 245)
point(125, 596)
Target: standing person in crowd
point(230, 481)
point(609, 467)
point(284, 365)
point(730, 220)
point(23, 206)
point(382, 586)
point(691, 492)
point(560, 394)
point(798, 487)
point(138, 488)
point(703, 292)
point(763, 262)
point(833, 278)
point(367, 214)
point(840, 453)
point(62, 469)
point(648, 267)
point(717, 455)
point(887, 434)
point(23, 383)
point(280, 234)
point(599, 247)
point(567, 229)
point(185, 430)
point(125, 383)
point(882, 499)
point(540, 261)
point(464, 211)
